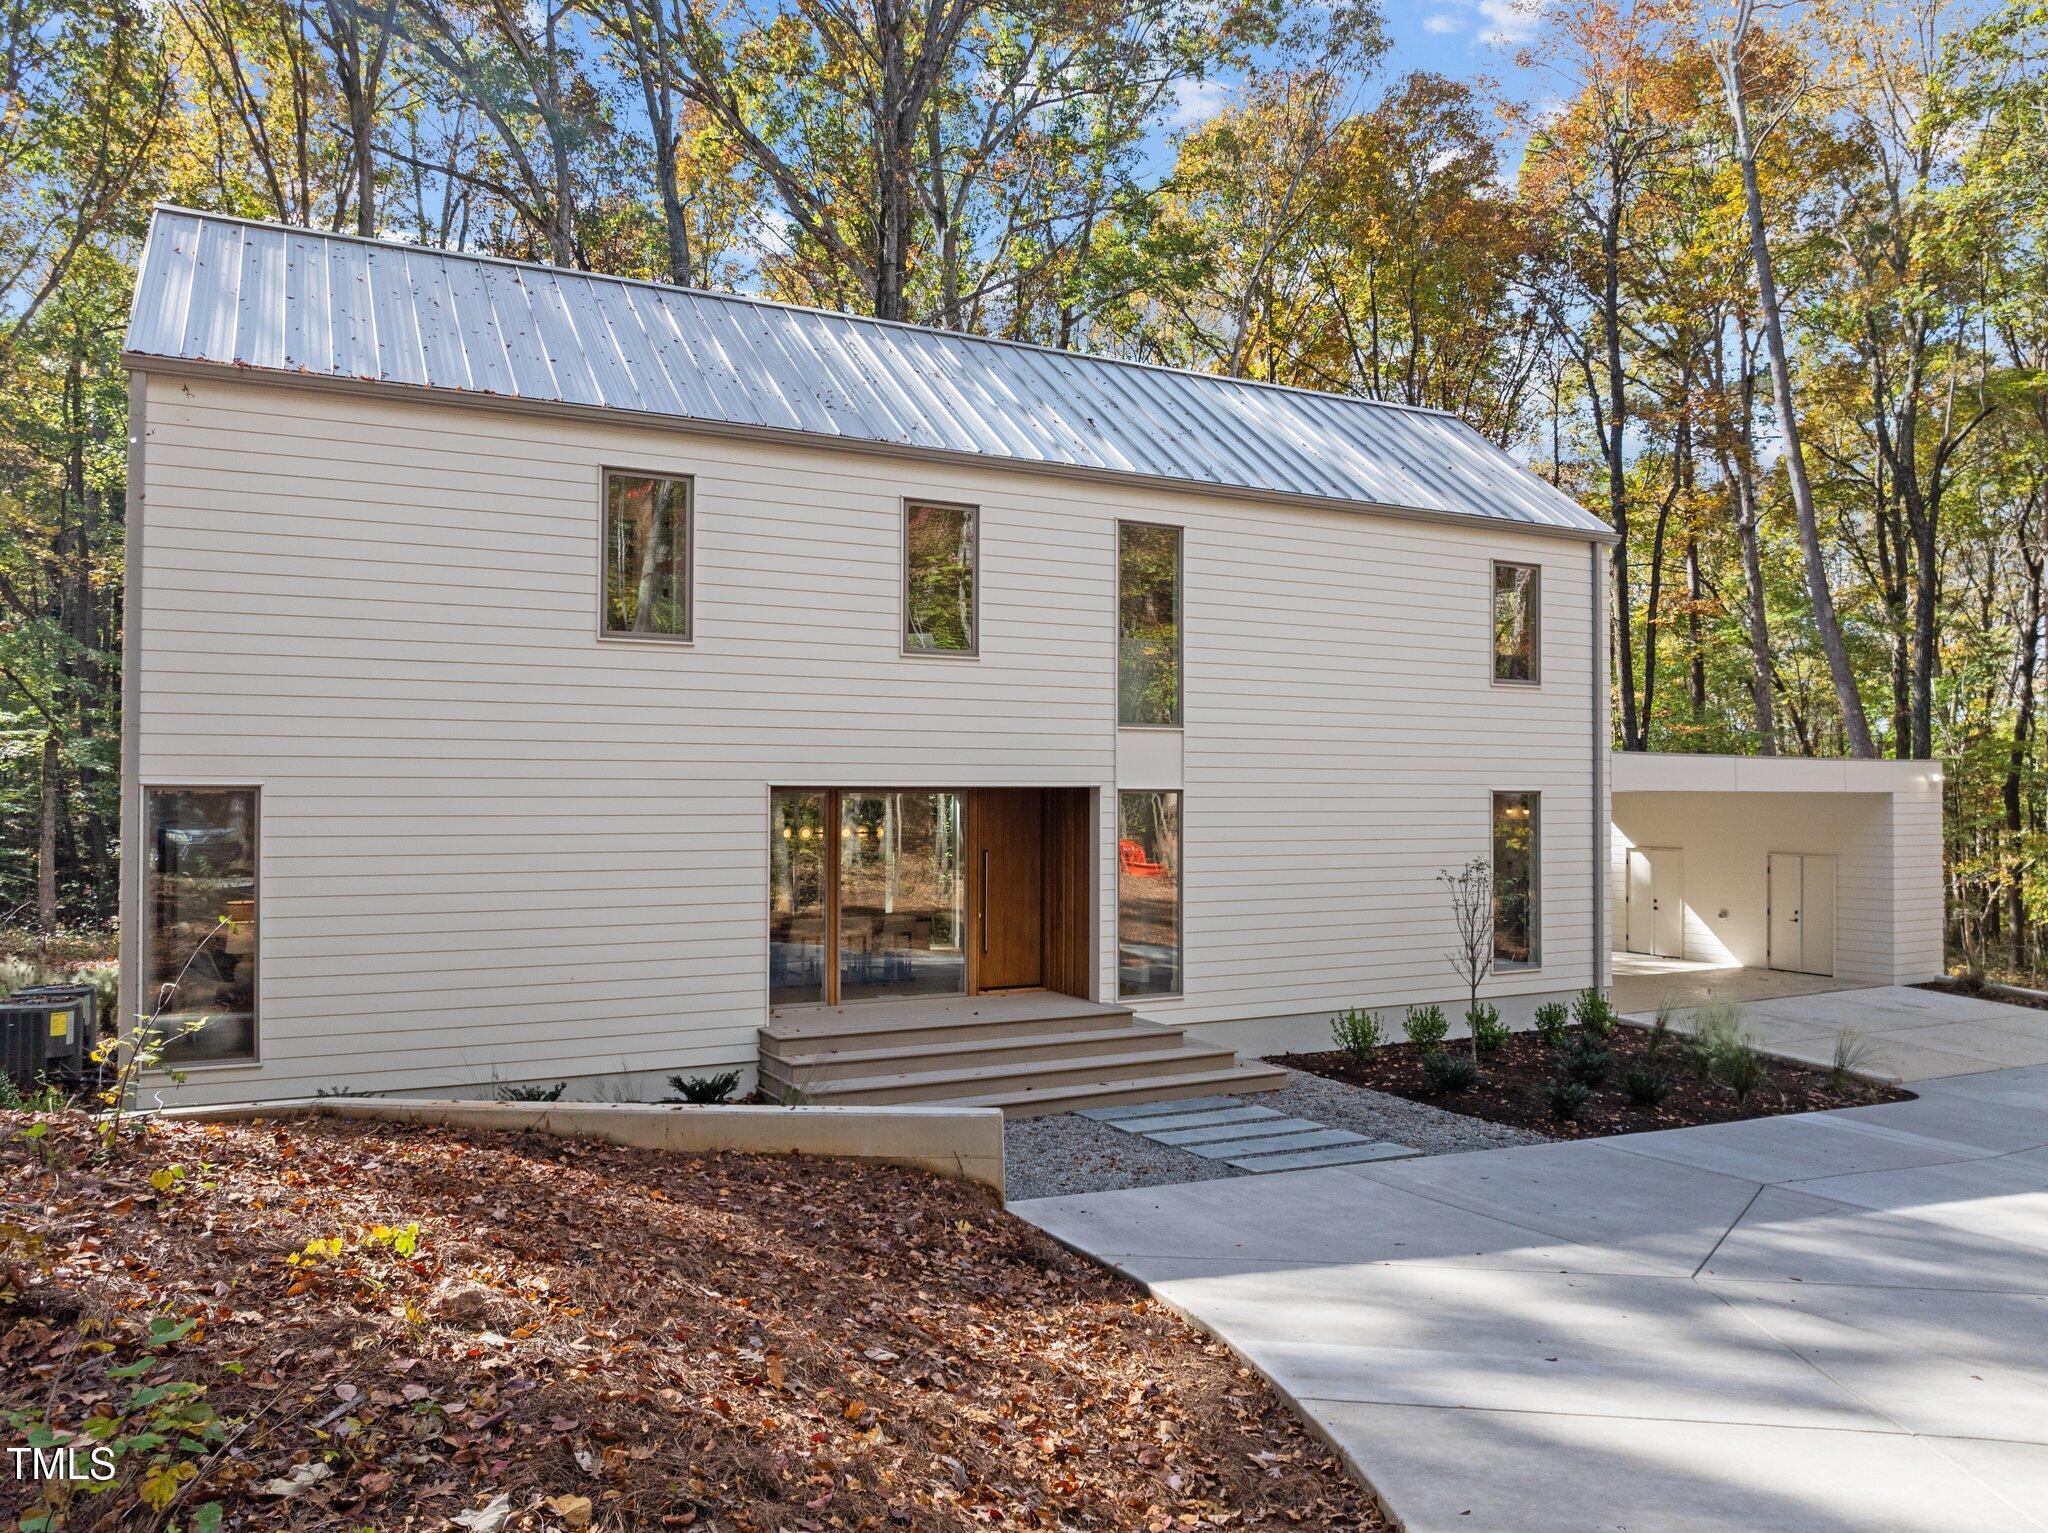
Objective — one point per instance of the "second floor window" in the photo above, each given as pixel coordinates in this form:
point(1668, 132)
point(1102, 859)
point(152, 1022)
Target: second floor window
point(1517, 621)
point(1148, 624)
point(940, 554)
point(647, 556)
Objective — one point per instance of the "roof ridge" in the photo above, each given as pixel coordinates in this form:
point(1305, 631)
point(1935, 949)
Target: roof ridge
point(841, 315)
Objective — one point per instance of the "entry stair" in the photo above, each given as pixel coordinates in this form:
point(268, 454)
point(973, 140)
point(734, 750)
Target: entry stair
point(1029, 1053)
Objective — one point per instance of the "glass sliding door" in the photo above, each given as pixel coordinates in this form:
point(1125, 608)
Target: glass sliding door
point(901, 894)
point(799, 874)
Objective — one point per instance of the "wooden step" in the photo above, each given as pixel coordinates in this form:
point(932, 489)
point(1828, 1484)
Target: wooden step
point(994, 1047)
point(950, 1085)
point(874, 1025)
point(1038, 1101)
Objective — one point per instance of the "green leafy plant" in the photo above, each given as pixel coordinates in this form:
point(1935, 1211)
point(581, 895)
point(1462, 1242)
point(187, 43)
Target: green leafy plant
point(46, 1096)
point(1427, 1027)
point(1358, 1034)
point(1566, 1098)
point(1446, 1073)
point(1586, 1061)
point(705, 1090)
point(138, 1051)
point(532, 1093)
point(153, 1442)
point(1594, 1012)
point(1488, 1031)
point(1552, 1019)
point(1645, 1087)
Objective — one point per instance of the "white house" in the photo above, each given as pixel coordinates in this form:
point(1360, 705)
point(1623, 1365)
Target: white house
point(539, 676)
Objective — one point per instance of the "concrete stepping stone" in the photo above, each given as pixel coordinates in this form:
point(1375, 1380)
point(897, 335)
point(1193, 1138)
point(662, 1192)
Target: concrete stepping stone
point(1315, 1138)
point(1166, 1123)
point(1334, 1155)
point(1230, 1126)
point(1148, 1109)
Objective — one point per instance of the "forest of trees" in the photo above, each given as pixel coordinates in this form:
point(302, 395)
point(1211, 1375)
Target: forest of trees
point(1765, 286)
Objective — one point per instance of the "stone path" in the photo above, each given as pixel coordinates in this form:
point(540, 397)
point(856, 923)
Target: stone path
point(1825, 1323)
point(1245, 1135)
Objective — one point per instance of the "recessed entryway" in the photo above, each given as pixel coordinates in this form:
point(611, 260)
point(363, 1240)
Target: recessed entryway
point(897, 893)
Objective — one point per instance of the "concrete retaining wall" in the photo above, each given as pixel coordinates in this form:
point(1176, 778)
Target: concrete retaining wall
point(964, 1143)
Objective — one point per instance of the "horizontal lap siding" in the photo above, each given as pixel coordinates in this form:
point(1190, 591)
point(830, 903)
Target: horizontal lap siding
point(497, 848)
point(494, 847)
point(1344, 738)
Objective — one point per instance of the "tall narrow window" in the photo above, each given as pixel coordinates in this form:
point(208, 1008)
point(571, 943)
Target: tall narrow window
point(199, 969)
point(1148, 624)
point(1148, 894)
point(1517, 622)
point(647, 556)
point(939, 555)
point(799, 866)
point(1517, 929)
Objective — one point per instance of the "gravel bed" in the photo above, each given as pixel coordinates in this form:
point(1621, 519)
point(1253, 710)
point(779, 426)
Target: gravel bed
point(1053, 1156)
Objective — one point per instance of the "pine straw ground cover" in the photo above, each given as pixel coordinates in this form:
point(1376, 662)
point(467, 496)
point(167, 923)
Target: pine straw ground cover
point(409, 1328)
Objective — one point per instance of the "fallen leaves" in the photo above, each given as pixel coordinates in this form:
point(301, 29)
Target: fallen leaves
point(504, 1335)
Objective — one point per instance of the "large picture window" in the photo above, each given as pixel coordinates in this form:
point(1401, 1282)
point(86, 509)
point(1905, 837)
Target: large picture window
point(646, 556)
point(1148, 893)
point(1148, 624)
point(901, 892)
point(1517, 623)
point(940, 551)
point(199, 968)
point(1517, 933)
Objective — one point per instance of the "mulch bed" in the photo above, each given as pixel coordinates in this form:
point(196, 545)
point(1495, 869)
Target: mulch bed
point(1990, 992)
point(1511, 1087)
point(590, 1336)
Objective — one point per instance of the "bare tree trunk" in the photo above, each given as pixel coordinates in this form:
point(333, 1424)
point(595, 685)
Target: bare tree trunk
point(46, 840)
point(1825, 621)
point(2029, 647)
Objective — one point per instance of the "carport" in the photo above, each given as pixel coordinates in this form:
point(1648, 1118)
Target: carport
point(1764, 876)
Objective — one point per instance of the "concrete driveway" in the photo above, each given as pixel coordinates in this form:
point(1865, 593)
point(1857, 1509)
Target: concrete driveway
point(1830, 1322)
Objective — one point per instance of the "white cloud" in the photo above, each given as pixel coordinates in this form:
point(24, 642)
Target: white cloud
point(1197, 101)
point(1511, 21)
point(1441, 23)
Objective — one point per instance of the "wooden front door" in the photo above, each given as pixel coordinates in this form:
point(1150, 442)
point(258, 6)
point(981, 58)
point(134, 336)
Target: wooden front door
point(1006, 866)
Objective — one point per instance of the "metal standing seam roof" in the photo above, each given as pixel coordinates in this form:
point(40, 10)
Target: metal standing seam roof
point(304, 304)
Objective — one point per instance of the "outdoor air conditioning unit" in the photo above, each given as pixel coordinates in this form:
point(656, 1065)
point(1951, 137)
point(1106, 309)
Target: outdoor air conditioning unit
point(46, 1033)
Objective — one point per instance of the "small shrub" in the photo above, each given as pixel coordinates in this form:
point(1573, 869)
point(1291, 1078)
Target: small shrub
point(1594, 1012)
point(1724, 1050)
point(1566, 1097)
point(1448, 1072)
point(1660, 1035)
point(1427, 1027)
point(1488, 1031)
point(344, 1091)
point(1968, 977)
point(533, 1093)
point(1358, 1034)
point(1586, 1062)
point(1646, 1088)
point(1855, 1054)
point(1552, 1018)
point(705, 1090)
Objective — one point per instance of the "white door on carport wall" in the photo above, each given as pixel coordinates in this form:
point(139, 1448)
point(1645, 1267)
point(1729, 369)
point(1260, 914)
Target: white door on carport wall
point(1802, 902)
point(1656, 901)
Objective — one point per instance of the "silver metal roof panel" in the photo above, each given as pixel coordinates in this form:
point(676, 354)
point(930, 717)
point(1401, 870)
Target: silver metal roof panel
point(218, 291)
